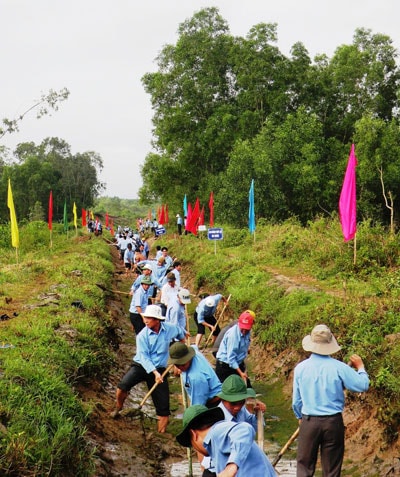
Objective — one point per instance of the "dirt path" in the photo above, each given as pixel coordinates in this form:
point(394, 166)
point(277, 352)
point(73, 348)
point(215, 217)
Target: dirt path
point(127, 446)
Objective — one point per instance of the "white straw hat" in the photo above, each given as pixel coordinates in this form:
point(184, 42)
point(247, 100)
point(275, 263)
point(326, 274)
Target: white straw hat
point(321, 341)
point(153, 311)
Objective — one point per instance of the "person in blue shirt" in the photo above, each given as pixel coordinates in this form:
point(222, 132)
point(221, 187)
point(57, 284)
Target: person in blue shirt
point(150, 361)
point(147, 270)
point(234, 397)
point(204, 317)
point(129, 259)
point(139, 303)
point(201, 383)
point(234, 349)
point(230, 445)
point(318, 401)
point(176, 312)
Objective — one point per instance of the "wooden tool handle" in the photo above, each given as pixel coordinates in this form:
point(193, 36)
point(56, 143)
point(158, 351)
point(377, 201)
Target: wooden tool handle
point(167, 370)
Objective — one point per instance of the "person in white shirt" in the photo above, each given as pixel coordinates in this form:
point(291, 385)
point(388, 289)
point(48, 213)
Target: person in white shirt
point(169, 292)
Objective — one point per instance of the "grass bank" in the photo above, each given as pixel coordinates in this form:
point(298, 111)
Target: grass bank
point(57, 336)
point(295, 277)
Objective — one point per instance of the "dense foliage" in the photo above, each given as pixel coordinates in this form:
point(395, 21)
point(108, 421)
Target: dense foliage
point(230, 109)
point(37, 169)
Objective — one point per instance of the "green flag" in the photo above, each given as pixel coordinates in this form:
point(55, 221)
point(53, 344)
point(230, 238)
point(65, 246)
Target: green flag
point(65, 217)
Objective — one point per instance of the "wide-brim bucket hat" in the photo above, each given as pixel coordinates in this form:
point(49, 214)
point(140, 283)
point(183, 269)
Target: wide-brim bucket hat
point(197, 415)
point(321, 341)
point(234, 389)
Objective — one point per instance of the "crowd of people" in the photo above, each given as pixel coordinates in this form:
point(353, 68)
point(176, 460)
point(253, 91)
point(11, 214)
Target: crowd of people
point(221, 420)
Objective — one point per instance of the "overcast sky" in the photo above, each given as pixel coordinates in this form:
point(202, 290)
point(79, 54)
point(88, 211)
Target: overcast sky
point(100, 49)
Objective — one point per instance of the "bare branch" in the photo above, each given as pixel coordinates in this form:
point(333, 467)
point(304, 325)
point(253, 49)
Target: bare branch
point(44, 106)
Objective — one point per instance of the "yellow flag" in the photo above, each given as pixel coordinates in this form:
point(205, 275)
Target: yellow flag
point(13, 218)
point(75, 216)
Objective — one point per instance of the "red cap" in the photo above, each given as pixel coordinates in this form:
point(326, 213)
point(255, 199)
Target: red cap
point(246, 321)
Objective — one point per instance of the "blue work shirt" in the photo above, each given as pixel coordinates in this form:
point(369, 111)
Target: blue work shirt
point(319, 383)
point(176, 314)
point(128, 256)
point(233, 443)
point(242, 416)
point(140, 298)
point(202, 310)
point(234, 347)
point(200, 381)
point(138, 281)
point(152, 348)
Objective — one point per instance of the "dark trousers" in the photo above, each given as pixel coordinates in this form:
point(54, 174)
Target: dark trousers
point(207, 473)
point(160, 396)
point(201, 329)
point(137, 322)
point(223, 370)
point(325, 433)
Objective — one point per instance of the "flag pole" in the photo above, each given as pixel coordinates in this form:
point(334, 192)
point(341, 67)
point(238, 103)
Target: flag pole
point(355, 249)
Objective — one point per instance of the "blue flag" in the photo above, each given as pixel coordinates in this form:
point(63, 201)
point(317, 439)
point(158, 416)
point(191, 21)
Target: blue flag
point(185, 208)
point(252, 220)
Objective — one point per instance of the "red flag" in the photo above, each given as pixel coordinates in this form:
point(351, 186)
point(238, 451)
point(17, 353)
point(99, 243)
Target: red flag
point(194, 218)
point(84, 223)
point(112, 228)
point(107, 219)
point(189, 216)
point(161, 220)
point(347, 201)
point(166, 214)
point(50, 221)
point(201, 217)
point(211, 207)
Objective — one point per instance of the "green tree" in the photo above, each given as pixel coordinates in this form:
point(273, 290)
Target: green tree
point(378, 152)
point(51, 166)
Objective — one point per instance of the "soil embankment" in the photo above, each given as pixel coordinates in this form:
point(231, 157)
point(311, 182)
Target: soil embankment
point(127, 446)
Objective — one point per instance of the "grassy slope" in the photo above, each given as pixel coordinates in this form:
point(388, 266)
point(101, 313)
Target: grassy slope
point(295, 278)
point(292, 277)
point(55, 345)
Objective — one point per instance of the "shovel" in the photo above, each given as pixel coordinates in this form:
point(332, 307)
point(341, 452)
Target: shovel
point(110, 290)
point(135, 412)
point(286, 447)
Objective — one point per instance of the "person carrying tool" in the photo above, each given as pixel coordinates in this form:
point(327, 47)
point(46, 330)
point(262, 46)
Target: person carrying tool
point(204, 316)
point(234, 349)
point(200, 381)
point(234, 395)
point(176, 312)
point(150, 361)
point(230, 445)
point(140, 300)
point(318, 401)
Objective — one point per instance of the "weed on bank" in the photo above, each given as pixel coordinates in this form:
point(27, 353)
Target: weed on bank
point(55, 337)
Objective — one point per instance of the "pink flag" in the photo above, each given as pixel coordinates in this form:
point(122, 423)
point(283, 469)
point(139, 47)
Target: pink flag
point(347, 201)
